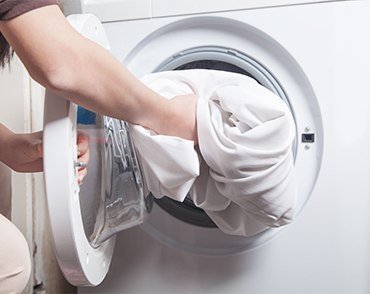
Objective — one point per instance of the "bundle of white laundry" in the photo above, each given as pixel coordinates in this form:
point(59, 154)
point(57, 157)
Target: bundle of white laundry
point(242, 172)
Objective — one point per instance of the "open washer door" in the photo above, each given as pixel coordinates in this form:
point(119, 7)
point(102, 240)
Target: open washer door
point(84, 219)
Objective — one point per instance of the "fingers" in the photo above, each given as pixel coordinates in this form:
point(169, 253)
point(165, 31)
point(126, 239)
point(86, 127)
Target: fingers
point(82, 172)
point(82, 142)
point(81, 175)
point(84, 157)
point(27, 153)
point(83, 154)
point(83, 147)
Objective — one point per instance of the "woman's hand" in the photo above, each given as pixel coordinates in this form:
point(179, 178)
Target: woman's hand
point(23, 152)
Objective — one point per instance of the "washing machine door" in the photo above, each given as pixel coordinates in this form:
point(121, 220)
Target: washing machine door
point(85, 218)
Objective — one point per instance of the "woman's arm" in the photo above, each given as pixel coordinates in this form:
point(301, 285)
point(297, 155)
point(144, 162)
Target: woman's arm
point(88, 75)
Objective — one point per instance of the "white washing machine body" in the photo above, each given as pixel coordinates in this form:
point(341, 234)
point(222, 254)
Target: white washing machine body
point(314, 55)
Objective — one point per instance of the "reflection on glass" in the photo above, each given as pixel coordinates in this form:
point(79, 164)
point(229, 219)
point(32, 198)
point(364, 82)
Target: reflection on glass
point(111, 197)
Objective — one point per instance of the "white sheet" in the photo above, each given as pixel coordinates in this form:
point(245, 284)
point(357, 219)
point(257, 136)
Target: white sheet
point(242, 172)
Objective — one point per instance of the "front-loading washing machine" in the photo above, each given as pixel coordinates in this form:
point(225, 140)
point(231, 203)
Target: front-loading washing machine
point(314, 55)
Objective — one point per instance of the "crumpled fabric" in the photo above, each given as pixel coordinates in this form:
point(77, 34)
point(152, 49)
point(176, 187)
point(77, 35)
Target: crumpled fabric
point(242, 172)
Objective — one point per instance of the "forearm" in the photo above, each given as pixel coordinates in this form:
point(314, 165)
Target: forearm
point(100, 83)
point(105, 86)
point(79, 70)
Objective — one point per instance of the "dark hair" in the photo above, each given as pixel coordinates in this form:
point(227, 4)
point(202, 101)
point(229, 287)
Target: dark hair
point(6, 52)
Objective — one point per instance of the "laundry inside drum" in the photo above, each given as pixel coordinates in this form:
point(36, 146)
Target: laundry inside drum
point(187, 211)
point(111, 196)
